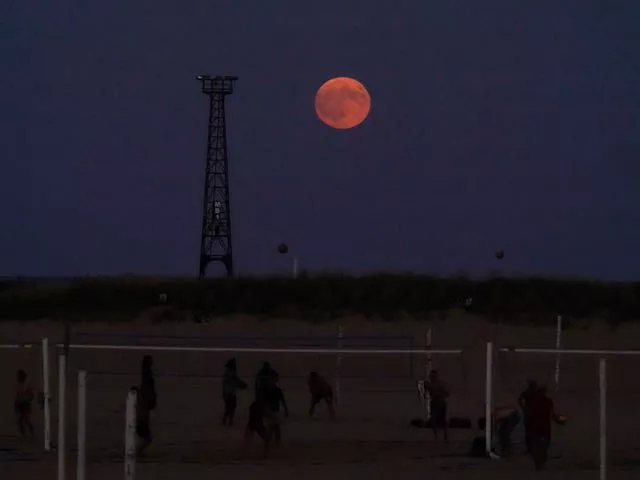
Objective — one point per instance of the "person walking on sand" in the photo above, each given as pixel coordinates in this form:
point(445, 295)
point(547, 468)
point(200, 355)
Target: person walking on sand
point(146, 403)
point(22, 404)
point(320, 390)
point(439, 393)
point(524, 401)
point(541, 413)
point(256, 425)
point(148, 383)
point(231, 383)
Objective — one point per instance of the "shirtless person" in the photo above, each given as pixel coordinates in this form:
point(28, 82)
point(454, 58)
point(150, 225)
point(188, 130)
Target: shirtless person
point(320, 390)
point(22, 404)
point(439, 393)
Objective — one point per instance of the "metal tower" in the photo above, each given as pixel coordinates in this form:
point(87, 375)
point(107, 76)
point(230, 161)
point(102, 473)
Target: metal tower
point(215, 242)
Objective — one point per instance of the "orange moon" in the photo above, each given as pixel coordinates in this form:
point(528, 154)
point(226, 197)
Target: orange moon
point(342, 103)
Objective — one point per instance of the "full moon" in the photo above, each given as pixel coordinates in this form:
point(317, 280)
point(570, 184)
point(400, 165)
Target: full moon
point(342, 103)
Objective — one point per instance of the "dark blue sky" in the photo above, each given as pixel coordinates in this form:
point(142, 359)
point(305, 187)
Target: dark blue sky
point(494, 123)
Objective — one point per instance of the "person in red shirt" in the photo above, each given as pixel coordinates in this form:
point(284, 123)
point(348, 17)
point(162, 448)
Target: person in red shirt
point(320, 390)
point(541, 413)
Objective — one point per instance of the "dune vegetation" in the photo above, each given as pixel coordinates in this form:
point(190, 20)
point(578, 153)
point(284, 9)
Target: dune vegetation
point(317, 298)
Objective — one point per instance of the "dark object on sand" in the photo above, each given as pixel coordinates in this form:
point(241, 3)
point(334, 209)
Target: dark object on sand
point(454, 422)
point(461, 423)
point(417, 423)
point(479, 449)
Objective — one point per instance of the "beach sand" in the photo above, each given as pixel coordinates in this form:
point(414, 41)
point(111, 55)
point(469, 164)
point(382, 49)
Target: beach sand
point(378, 397)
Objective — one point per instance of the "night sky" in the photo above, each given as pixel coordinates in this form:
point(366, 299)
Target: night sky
point(494, 124)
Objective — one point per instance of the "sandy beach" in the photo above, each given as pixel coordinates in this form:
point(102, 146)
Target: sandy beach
point(377, 399)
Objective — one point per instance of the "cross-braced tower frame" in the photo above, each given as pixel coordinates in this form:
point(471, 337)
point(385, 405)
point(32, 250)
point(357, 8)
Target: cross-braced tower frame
point(215, 242)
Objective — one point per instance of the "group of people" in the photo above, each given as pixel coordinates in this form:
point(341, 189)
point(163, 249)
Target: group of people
point(145, 404)
point(264, 411)
point(536, 410)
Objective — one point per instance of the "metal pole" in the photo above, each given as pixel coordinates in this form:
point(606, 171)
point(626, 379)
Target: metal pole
point(82, 424)
point(558, 341)
point(130, 437)
point(488, 397)
point(46, 394)
point(428, 368)
point(603, 419)
point(62, 375)
point(339, 362)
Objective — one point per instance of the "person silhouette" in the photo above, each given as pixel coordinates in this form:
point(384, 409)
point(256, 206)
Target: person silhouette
point(231, 383)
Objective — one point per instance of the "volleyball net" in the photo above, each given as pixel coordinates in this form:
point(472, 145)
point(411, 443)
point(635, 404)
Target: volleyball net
point(374, 380)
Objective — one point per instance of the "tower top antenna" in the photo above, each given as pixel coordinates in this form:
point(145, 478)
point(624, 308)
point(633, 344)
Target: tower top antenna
point(217, 84)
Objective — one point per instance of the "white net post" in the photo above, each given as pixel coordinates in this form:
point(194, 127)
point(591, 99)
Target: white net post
point(130, 436)
point(46, 395)
point(428, 367)
point(488, 397)
point(82, 425)
point(340, 336)
point(62, 375)
point(603, 418)
point(556, 377)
